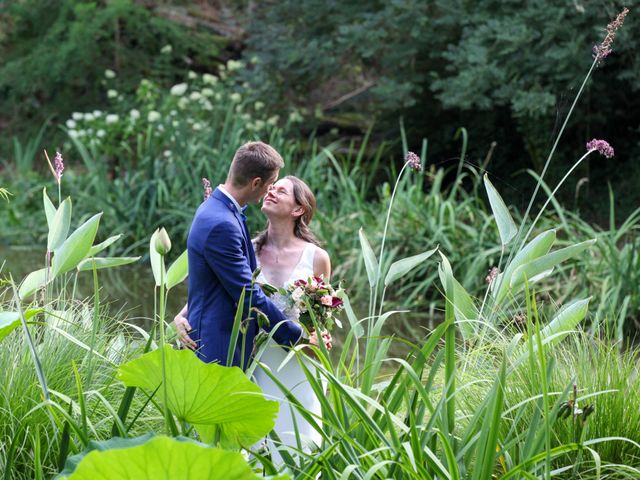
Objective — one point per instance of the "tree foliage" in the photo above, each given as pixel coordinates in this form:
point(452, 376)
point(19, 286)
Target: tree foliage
point(506, 70)
point(55, 52)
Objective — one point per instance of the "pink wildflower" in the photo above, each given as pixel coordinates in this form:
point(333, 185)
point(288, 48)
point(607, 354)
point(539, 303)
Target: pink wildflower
point(601, 146)
point(207, 188)
point(604, 49)
point(59, 166)
point(414, 161)
point(492, 275)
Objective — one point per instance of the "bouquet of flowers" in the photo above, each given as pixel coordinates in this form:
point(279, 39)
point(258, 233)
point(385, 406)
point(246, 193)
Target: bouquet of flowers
point(308, 300)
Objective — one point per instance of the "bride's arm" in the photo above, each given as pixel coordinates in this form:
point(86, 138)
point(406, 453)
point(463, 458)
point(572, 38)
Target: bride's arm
point(322, 264)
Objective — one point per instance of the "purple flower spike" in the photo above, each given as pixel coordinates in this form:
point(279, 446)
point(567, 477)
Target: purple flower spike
point(604, 49)
point(601, 146)
point(207, 188)
point(414, 161)
point(58, 162)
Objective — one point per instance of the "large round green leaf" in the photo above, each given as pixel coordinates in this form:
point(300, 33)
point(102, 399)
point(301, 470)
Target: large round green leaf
point(205, 394)
point(156, 459)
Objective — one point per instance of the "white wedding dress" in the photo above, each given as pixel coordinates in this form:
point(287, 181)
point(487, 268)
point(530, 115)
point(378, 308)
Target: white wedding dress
point(293, 377)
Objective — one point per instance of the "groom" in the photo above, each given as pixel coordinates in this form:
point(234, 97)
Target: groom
point(222, 261)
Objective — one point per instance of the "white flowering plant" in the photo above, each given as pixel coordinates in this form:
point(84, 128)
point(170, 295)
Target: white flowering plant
point(312, 302)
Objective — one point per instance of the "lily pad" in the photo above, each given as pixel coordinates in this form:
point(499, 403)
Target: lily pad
point(205, 395)
point(156, 458)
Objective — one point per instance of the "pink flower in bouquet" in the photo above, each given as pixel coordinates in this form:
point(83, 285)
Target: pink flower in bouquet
point(315, 301)
point(327, 300)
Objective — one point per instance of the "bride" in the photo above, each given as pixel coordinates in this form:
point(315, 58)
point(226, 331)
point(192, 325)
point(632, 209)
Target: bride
point(287, 251)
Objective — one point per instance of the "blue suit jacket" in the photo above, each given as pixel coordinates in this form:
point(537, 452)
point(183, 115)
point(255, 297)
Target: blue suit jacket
point(221, 263)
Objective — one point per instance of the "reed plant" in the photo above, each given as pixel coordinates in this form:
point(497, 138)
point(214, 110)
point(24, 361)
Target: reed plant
point(71, 341)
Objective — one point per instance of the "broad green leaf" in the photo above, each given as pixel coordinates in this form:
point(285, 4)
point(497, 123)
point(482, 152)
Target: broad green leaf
point(565, 320)
point(506, 226)
point(404, 266)
point(76, 247)
point(34, 281)
point(355, 326)
point(558, 328)
point(59, 229)
point(546, 263)
point(9, 321)
point(205, 394)
point(155, 258)
point(463, 306)
point(178, 271)
point(49, 209)
point(537, 247)
point(101, 246)
point(158, 458)
point(104, 262)
point(370, 260)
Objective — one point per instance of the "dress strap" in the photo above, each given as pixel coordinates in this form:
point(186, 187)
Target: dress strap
point(308, 255)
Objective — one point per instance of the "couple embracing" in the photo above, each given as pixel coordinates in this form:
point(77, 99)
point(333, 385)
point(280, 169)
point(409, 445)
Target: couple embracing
point(222, 261)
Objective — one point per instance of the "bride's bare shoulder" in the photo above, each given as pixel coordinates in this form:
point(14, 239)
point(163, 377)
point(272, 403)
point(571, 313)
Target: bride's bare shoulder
point(321, 262)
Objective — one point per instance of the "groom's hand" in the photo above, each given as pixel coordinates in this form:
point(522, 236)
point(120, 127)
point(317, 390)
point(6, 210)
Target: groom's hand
point(183, 328)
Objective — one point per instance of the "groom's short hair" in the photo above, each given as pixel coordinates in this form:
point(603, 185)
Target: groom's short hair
point(254, 159)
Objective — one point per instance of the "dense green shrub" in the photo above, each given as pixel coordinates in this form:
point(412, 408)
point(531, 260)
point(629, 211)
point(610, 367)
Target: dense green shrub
point(55, 53)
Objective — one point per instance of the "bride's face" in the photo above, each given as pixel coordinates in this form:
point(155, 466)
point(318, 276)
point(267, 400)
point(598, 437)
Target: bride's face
point(280, 201)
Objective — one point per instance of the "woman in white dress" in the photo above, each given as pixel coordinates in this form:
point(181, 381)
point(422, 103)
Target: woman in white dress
point(287, 251)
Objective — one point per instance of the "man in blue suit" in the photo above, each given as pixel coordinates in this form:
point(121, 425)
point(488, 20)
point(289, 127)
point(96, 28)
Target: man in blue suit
point(222, 261)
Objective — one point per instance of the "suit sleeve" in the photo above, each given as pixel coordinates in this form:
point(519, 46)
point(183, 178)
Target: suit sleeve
point(224, 254)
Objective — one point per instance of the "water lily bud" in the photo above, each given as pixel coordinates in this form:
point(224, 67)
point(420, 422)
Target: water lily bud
point(163, 244)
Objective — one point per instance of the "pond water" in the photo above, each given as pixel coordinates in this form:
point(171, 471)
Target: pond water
point(129, 291)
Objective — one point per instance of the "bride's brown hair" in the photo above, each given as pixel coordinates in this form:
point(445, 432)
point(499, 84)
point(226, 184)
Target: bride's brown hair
point(304, 198)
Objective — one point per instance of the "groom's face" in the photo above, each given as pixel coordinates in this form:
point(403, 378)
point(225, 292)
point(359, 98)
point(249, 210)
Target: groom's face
point(262, 189)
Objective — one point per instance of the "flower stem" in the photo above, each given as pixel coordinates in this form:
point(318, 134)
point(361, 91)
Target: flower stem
point(575, 165)
point(162, 352)
point(384, 237)
point(553, 149)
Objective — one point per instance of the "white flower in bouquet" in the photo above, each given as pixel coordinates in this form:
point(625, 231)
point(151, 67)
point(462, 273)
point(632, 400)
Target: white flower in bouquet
point(297, 294)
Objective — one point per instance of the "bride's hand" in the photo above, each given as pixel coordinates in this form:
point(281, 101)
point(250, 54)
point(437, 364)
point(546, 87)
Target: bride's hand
point(326, 338)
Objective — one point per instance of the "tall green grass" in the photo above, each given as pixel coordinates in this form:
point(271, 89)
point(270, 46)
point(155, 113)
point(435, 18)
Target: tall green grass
point(63, 334)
